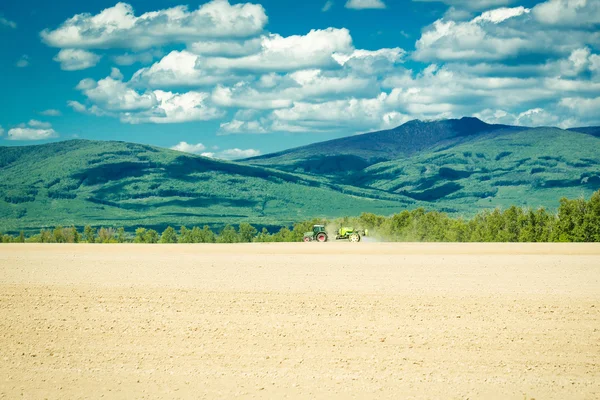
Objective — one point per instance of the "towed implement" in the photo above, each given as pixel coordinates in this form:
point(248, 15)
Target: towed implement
point(319, 234)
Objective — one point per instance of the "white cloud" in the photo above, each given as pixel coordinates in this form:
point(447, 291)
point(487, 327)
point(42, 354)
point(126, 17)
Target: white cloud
point(478, 39)
point(235, 154)
point(279, 91)
point(145, 57)
point(584, 108)
point(116, 74)
point(51, 113)
point(278, 53)
point(237, 126)
point(501, 34)
point(577, 13)
point(175, 108)
point(189, 148)
point(39, 124)
point(114, 95)
point(23, 61)
point(74, 59)
point(226, 48)
point(365, 4)
point(23, 132)
point(371, 62)
point(473, 4)
point(179, 68)
point(7, 23)
point(77, 106)
point(115, 98)
point(327, 6)
point(118, 27)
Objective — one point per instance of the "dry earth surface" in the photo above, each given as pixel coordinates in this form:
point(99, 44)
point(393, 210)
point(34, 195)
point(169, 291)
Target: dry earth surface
point(335, 320)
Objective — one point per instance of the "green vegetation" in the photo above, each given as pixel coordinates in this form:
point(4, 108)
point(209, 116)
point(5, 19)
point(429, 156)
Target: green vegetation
point(83, 182)
point(576, 221)
point(458, 167)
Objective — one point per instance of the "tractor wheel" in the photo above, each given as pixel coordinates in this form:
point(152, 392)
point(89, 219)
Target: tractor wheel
point(307, 239)
point(321, 237)
point(355, 238)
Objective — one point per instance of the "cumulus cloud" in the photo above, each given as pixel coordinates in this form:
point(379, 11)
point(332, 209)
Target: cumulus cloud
point(482, 38)
point(279, 91)
point(365, 4)
point(113, 97)
point(226, 48)
point(33, 130)
point(30, 134)
point(51, 113)
point(205, 64)
point(23, 61)
point(472, 4)
point(39, 124)
point(235, 154)
point(278, 53)
point(180, 68)
point(371, 62)
point(7, 23)
point(118, 27)
point(237, 127)
point(74, 59)
point(145, 57)
point(501, 34)
point(575, 13)
point(189, 148)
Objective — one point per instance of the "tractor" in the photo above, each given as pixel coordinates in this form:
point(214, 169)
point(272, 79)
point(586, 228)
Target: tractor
point(319, 234)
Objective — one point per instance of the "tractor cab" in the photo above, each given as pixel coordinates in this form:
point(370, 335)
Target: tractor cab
point(318, 234)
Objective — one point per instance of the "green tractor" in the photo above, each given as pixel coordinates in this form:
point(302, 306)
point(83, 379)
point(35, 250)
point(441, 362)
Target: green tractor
point(319, 234)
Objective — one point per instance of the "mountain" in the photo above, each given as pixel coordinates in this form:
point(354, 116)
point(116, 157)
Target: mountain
point(354, 153)
point(459, 165)
point(535, 167)
point(590, 130)
point(81, 182)
point(456, 166)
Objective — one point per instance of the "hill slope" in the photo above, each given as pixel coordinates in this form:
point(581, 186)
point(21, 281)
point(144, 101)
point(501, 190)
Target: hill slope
point(354, 153)
point(529, 168)
point(123, 184)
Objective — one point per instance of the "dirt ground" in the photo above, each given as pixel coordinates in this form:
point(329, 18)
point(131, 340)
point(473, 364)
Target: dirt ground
point(335, 320)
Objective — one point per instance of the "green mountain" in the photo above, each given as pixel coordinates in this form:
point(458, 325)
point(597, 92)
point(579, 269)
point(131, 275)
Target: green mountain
point(535, 167)
point(81, 182)
point(456, 166)
point(354, 153)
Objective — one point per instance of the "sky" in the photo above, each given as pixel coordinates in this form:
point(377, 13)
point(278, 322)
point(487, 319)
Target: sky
point(233, 79)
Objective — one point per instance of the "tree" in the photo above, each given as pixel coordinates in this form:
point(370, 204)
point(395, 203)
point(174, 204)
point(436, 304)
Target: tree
point(228, 235)
point(107, 235)
point(592, 217)
point(246, 232)
point(75, 234)
point(185, 235)
point(169, 236)
point(140, 235)
point(121, 238)
point(58, 235)
point(89, 234)
point(151, 236)
point(21, 238)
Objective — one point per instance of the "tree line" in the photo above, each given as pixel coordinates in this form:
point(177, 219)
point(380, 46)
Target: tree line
point(576, 220)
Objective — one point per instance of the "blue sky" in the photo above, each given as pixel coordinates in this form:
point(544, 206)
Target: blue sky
point(230, 79)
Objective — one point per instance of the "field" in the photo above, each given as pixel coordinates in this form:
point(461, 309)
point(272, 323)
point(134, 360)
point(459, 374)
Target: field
point(337, 320)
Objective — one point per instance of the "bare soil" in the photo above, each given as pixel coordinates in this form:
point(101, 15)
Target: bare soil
point(334, 320)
